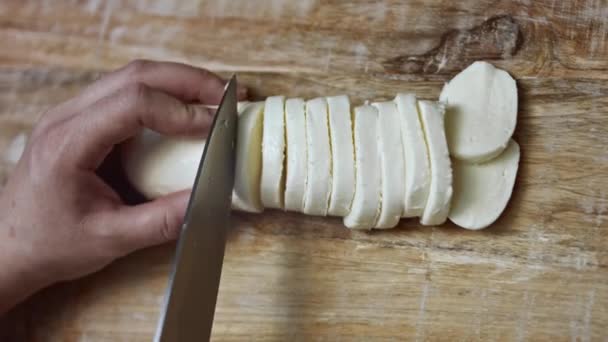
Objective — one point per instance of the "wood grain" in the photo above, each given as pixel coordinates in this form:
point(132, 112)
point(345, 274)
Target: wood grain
point(539, 273)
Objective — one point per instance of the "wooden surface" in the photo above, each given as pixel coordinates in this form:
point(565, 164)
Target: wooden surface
point(539, 273)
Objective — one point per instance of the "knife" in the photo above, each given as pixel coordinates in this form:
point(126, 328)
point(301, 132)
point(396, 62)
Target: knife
point(191, 296)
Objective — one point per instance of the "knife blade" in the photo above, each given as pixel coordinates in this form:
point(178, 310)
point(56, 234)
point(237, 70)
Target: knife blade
point(194, 282)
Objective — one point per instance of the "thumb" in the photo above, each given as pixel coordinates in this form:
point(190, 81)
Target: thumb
point(152, 223)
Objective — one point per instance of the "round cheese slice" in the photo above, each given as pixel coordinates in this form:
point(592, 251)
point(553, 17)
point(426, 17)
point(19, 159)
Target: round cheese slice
point(273, 153)
point(482, 191)
point(481, 112)
point(248, 168)
point(295, 181)
point(440, 190)
point(417, 170)
point(318, 184)
point(342, 154)
point(366, 202)
point(392, 165)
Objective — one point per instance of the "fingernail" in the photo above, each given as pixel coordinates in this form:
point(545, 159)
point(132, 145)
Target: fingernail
point(201, 110)
point(201, 120)
point(207, 109)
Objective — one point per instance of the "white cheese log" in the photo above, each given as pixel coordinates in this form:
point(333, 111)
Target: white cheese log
point(157, 165)
point(389, 160)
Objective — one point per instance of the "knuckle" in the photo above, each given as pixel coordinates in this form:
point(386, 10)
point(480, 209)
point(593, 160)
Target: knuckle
point(133, 72)
point(136, 68)
point(45, 149)
point(110, 243)
point(169, 227)
point(46, 120)
point(190, 113)
point(37, 156)
point(204, 73)
point(135, 96)
point(39, 130)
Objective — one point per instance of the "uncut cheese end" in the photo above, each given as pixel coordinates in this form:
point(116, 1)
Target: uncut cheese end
point(158, 165)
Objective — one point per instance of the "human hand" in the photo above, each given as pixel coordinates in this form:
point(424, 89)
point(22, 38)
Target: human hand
point(58, 219)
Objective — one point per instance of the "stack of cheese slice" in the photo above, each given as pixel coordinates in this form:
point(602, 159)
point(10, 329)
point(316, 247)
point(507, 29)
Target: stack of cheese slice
point(372, 165)
point(481, 117)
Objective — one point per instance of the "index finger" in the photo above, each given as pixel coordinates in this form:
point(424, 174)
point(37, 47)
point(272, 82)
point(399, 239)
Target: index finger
point(185, 82)
point(123, 114)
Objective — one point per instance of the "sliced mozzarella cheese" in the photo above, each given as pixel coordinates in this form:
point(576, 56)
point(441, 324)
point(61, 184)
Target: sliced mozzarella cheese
point(343, 155)
point(440, 191)
point(481, 112)
point(318, 186)
point(392, 165)
point(417, 172)
point(295, 183)
point(482, 191)
point(366, 202)
point(273, 153)
point(246, 194)
point(157, 165)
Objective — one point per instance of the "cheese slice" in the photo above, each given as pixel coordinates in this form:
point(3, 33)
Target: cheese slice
point(481, 113)
point(273, 153)
point(417, 171)
point(343, 155)
point(248, 168)
point(392, 165)
point(318, 186)
point(366, 202)
point(158, 165)
point(440, 190)
point(482, 191)
point(295, 183)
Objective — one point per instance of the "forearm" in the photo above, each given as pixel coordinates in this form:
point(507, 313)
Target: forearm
point(13, 289)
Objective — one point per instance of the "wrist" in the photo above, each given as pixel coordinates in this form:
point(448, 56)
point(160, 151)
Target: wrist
point(17, 281)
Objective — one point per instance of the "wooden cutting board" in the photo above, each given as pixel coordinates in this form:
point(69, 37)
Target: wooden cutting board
point(539, 273)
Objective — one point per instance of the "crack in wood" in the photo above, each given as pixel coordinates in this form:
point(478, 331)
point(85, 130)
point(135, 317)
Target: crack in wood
point(496, 38)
